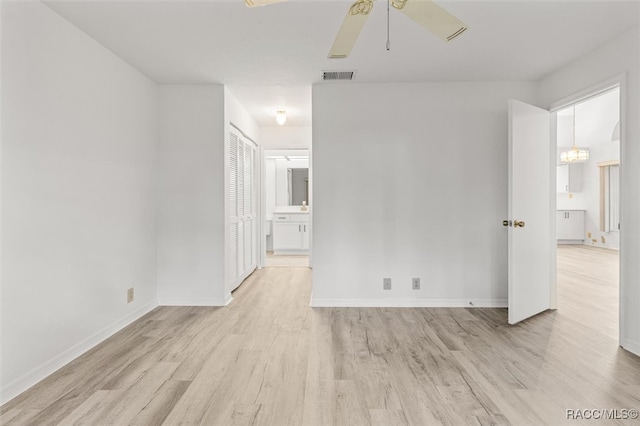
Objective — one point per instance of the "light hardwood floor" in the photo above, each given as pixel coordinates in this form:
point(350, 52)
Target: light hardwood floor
point(588, 286)
point(286, 261)
point(270, 359)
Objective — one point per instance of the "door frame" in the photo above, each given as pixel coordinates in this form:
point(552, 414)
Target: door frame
point(262, 246)
point(592, 91)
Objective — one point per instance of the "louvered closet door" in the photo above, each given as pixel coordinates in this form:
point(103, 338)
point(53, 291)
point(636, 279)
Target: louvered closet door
point(242, 209)
point(248, 207)
point(241, 218)
point(254, 209)
point(232, 208)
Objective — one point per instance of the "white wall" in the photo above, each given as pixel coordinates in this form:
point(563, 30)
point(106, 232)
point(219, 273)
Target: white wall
point(426, 197)
point(236, 113)
point(191, 196)
point(270, 183)
point(277, 137)
point(195, 122)
point(621, 55)
point(79, 132)
point(269, 199)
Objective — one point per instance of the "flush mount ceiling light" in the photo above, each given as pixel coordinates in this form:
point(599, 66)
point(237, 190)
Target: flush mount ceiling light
point(281, 116)
point(575, 154)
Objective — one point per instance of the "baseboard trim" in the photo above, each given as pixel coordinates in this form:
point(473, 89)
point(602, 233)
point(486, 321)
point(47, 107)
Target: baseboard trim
point(227, 299)
point(194, 301)
point(291, 253)
point(631, 346)
point(41, 372)
point(408, 303)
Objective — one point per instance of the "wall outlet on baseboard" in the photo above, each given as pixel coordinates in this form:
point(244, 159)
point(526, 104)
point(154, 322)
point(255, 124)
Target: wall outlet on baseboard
point(130, 295)
point(588, 234)
point(386, 283)
point(415, 283)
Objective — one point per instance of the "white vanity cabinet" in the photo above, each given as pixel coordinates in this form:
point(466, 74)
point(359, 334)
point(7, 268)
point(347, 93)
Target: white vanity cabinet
point(290, 233)
point(570, 226)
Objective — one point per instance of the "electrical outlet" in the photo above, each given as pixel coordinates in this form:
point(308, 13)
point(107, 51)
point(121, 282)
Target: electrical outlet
point(588, 234)
point(386, 284)
point(603, 239)
point(415, 283)
point(130, 295)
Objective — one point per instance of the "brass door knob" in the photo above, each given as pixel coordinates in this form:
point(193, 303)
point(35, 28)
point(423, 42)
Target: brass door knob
point(518, 223)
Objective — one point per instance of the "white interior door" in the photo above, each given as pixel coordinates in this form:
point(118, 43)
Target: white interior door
point(529, 211)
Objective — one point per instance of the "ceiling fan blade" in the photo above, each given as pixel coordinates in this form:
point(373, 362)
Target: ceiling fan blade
point(254, 3)
point(350, 29)
point(432, 17)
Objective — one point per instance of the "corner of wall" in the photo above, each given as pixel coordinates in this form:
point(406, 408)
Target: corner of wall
point(631, 346)
point(24, 382)
point(191, 155)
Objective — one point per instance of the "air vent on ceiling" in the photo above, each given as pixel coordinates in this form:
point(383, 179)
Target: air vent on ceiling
point(338, 75)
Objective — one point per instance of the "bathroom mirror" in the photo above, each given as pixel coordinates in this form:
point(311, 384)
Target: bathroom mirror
point(298, 186)
point(287, 178)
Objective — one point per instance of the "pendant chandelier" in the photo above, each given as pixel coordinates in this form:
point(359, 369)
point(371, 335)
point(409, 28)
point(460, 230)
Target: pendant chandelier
point(575, 153)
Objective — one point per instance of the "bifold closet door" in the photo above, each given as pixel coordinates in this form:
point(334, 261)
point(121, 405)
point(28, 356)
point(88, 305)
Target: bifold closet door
point(241, 207)
point(249, 219)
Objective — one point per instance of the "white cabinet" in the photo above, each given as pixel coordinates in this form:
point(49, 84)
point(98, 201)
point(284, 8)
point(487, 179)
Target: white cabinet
point(569, 178)
point(287, 236)
point(570, 225)
point(305, 237)
point(290, 233)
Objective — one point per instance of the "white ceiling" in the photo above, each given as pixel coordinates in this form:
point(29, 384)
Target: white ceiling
point(271, 55)
point(262, 102)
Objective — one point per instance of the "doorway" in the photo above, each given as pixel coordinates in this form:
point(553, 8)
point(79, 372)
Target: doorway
point(587, 210)
point(287, 206)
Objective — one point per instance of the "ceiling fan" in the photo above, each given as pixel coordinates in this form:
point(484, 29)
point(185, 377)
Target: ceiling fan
point(254, 3)
point(425, 12)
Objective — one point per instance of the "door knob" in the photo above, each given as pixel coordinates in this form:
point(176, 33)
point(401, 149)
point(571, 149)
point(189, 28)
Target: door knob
point(518, 223)
point(506, 223)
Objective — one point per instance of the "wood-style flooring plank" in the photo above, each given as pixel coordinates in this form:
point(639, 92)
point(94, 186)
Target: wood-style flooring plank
point(270, 359)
